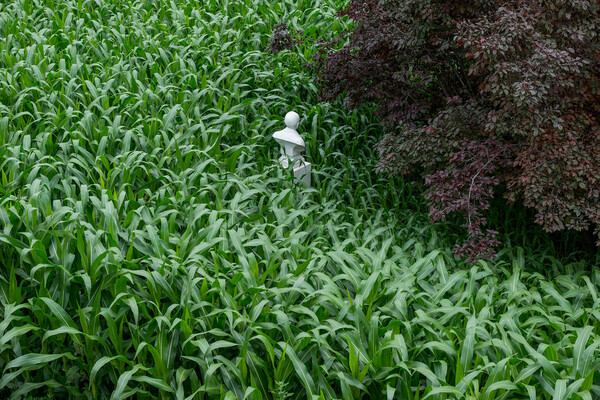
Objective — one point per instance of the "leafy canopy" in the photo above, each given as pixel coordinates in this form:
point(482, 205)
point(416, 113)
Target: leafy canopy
point(482, 97)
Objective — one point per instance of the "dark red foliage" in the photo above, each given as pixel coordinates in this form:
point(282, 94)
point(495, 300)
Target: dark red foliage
point(283, 38)
point(481, 95)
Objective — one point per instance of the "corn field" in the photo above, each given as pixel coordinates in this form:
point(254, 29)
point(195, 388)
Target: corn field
point(151, 247)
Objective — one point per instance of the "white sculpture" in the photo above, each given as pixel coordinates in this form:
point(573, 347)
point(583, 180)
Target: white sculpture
point(291, 146)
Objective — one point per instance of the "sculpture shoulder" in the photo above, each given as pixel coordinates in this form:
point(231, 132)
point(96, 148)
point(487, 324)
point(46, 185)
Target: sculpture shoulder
point(289, 135)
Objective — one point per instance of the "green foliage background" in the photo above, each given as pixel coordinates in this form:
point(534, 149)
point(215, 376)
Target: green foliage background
point(150, 247)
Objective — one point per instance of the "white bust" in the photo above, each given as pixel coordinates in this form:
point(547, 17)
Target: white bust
point(290, 141)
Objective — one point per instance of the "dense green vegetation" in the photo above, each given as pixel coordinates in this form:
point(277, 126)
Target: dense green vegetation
point(151, 248)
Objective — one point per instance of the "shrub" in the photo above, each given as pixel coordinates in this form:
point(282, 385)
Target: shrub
point(283, 38)
point(482, 97)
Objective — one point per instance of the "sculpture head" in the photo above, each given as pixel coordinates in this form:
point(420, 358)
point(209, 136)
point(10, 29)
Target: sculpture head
point(292, 120)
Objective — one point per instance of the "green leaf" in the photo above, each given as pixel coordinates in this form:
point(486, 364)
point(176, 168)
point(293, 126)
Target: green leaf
point(300, 369)
point(157, 383)
point(101, 363)
point(58, 312)
point(443, 390)
point(34, 359)
point(15, 333)
point(122, 383)
point(59, 331)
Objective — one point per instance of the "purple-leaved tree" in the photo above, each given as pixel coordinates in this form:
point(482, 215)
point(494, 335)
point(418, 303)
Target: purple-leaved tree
point(481, 96)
